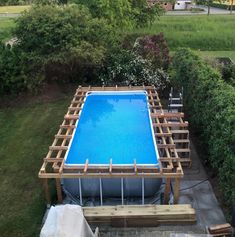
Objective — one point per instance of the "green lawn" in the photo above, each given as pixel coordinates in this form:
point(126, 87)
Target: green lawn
point(13, 9)
point(6, 25)
point(25, 132)
point(213, 33)
point(213, 54)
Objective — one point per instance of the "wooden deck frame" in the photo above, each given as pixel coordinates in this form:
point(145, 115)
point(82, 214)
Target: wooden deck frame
point(169, 162)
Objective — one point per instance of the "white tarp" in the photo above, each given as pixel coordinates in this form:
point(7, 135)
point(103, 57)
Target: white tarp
point(66, 221)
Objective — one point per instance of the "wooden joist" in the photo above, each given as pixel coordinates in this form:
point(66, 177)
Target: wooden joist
point(71, 117)
point(179, 131)
point(68, 126)
point(140, 215)
point(167, 115)
point(163, 134)
point(183, 150)
point(58, 148)
point(170, 124)
point(74, 108)
point(171, 146)
point(59, 136)
point(181, 141)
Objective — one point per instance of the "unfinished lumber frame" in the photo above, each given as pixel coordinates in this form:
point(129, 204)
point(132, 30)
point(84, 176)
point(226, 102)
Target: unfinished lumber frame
point(169, 161)
point(139, 215)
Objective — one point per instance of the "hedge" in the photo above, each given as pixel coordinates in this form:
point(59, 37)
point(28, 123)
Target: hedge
point(222, 6)
point(210, 105)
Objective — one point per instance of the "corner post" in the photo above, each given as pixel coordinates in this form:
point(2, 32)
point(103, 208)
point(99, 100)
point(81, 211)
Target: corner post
point(58, 190)
point(167, 191)
point(176, 190)
point(46, 191)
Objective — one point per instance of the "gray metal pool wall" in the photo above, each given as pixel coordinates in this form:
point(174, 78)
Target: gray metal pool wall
point(113, 187)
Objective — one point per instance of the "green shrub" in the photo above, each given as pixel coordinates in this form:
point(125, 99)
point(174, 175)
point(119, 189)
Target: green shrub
point(18, 72)
point(126, 68)
point(210, 105)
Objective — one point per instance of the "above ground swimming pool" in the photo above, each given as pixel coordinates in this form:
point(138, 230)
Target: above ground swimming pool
point(113, 126)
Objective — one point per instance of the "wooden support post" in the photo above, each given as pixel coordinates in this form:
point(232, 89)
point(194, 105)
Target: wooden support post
point(110, 166)
point(59, 191)
point(167, 191)
point(86, 166)
point(176, 190)
point(135, 166)
point(47, 191)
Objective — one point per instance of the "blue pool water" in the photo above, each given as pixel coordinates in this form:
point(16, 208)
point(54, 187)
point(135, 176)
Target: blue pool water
point(113, 125)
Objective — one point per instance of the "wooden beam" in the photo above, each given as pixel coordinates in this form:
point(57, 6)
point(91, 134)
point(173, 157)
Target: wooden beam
point(140, 215)
point(59, 191)
point(52, 160)
point(170, 124)
point(70, 109)
point(58, 148)
point(86, 166)
point(68, 126)
point(135, 166)
point(170, 146)
point(167, 115)
point(46, 191)
point(163, 134)
point(167, 191)
point(110, 166)
point(176, 190)
point(71, 117)
point(59, 136)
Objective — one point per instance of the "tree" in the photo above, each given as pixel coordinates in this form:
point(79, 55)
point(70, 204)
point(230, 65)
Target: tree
point(209, 3)
point(123, 13)
point(62, 43)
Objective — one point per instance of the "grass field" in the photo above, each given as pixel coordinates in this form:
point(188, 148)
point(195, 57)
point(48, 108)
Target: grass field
point(13, 9)
point(213, 54)
point(213, 33)
point(26, 132)
point(6, 25)
point(212, 36)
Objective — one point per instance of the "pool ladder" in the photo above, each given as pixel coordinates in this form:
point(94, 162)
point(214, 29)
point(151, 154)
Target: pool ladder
point(175, 104)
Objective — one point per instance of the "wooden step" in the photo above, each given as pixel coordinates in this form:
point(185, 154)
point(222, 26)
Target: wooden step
point(140, 215)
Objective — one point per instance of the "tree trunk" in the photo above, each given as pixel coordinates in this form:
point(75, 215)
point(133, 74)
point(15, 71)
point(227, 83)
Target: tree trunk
point(209, 8)
point(231, 6)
